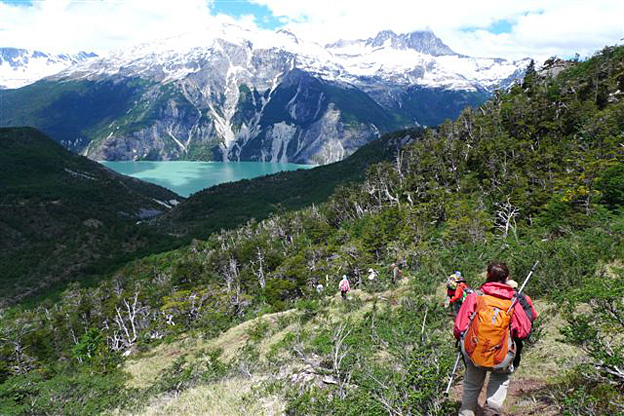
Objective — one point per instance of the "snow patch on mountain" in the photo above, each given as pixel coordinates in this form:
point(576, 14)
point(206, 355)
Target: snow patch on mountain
point(281, 134)
point(228, 92)
point(20, 67)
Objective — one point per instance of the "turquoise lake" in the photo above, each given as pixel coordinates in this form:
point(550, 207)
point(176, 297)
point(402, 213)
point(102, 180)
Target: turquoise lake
point(185, 178)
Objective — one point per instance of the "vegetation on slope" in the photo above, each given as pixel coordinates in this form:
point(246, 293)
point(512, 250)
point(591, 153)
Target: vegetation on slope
point(61, 214)
point(535, 174)
point(232, 204)
point(70, 111)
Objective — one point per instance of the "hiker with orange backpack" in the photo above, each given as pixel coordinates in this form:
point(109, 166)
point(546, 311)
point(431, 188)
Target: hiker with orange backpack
point(488, 322)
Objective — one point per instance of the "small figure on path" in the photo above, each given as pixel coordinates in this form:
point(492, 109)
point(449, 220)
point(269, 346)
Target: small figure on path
point(451, 286)
point(397, 274)
point(319, 288)
point(344, 287)
point(372, 275)
point(461, 292)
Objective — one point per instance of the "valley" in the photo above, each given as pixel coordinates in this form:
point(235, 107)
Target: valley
point(185, 178)
point(261, 207)
point(214, 305)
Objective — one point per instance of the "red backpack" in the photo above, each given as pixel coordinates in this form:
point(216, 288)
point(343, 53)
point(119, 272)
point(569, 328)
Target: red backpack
point(488, 342)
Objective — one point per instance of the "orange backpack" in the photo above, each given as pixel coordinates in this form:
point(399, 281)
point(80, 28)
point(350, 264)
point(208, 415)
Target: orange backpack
point(487, 342)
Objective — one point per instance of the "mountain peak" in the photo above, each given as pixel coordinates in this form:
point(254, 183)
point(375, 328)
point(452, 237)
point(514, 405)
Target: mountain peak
point(423, 41)
point(288, 33)
point(20, 67)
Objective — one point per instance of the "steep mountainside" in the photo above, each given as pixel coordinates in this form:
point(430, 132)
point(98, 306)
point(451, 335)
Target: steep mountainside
point(232, 94)
point(20, 67)
point(61, 213)
point(536, 173)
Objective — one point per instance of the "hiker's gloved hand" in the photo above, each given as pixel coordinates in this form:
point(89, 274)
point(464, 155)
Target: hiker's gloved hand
point(447, 303)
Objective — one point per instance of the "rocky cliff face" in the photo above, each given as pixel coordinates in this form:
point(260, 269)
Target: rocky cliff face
point(232, 94)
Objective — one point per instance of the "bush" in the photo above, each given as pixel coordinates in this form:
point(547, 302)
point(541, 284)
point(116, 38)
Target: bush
point(309, 309)
point(611, 185)
point(259, 330)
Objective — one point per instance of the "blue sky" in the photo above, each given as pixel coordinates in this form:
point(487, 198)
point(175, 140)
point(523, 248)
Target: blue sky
point(495, 28)
point(237, 8)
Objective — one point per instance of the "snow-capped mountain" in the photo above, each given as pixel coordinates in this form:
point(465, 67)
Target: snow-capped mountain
point(420, 58)
point(230, 93)
point(20, 67)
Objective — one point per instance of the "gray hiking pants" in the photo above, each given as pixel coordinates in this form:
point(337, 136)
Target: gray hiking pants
point(496, 391)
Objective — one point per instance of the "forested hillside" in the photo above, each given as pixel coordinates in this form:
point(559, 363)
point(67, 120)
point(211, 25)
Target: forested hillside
point(537, 173)
point(63, 216)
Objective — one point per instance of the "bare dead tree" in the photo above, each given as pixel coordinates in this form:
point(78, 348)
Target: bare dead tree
point(339, 351)
point(258, 267)
point(12, 337)
point(399, 161)
point(127, 321)
point(383, 396)
point(230, 273)
point(506, 215)
point(117, 287)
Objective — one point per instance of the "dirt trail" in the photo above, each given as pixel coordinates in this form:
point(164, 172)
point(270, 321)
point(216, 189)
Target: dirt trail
point(525, 397)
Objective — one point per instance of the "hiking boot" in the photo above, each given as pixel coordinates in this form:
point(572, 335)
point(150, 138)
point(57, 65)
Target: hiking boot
point(489, 411)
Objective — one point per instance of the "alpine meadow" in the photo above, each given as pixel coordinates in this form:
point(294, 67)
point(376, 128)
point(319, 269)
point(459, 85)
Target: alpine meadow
point(120, 297)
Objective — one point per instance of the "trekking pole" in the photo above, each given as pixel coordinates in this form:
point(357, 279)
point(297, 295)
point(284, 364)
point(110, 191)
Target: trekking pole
point(523, 285)
point(448, 387)
point(529, 276)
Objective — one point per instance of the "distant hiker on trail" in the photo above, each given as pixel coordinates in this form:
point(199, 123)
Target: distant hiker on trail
point(397, 274)
point(372, 275)
point(319, 288)
point(344, 287)
point(529, 309)
point(451, 287)
point(461, 292)
point(486, 326)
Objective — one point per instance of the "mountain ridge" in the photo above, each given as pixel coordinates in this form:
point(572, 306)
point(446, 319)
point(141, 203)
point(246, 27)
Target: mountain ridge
point(21, 67)
point(237, 94)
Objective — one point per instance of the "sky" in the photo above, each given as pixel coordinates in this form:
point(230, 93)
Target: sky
point(510, 29)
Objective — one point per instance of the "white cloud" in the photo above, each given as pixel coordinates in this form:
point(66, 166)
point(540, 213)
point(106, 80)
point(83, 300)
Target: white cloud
point(97, 25)
point(540, 28)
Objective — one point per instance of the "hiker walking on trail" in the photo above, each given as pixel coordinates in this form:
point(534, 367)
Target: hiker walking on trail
point(451, 287)
point(461, 292)
point(344, 287)
point(487, 324)
point(319, 288)
point(397, 274)
point(372, 275)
